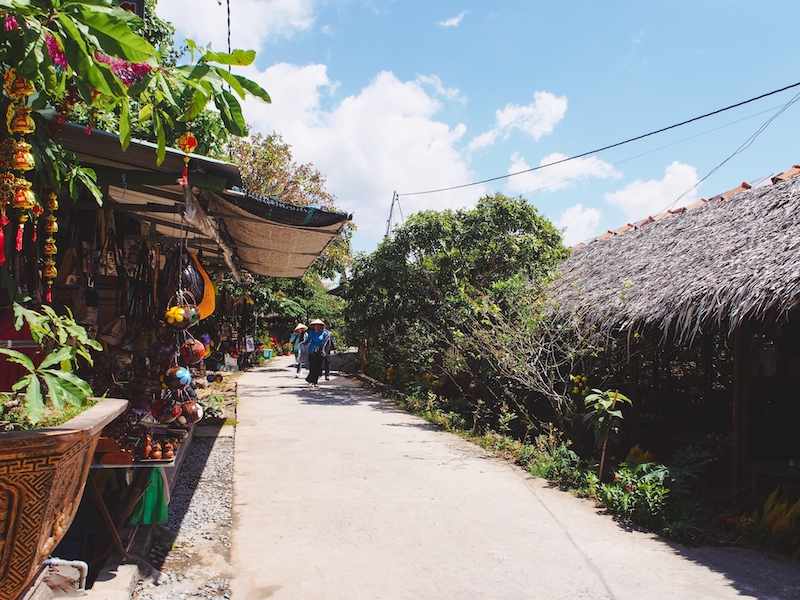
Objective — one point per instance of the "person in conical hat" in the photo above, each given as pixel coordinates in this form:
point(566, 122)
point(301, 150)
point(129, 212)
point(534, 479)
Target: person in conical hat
point(297, 338)
point(316, 339)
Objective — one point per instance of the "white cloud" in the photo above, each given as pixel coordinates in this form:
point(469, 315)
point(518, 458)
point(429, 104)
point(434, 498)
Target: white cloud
point(579, 223)
point(381, 140)
point(641, 199)
point(453, 21)
point(536, 119)
point(558, 176)
point(253, 22)
point(437, 85)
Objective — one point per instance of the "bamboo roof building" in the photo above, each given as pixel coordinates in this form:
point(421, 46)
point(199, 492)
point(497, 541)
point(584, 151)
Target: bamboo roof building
point(714, 288)
point(707, 267)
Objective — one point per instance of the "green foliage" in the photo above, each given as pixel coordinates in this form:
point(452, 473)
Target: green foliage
point(551, 458)
point(89, 51)
point(604, 415)
point(54, 378)
point(653, 495)
point(414, 298)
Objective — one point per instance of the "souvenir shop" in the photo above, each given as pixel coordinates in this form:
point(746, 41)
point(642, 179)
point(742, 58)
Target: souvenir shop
point(138, 273)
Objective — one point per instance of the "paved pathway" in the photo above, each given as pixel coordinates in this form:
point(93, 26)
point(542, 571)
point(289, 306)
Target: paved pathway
point(339, 495)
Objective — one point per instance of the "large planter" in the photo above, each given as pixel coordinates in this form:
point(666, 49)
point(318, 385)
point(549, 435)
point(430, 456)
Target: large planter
point(42, 476)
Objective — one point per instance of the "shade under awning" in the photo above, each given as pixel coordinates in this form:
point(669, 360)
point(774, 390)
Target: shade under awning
point(276, 246)
point(254, 233)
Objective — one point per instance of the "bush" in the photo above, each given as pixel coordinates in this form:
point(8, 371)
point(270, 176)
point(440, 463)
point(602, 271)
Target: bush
point(653, 495)
point(552, 459)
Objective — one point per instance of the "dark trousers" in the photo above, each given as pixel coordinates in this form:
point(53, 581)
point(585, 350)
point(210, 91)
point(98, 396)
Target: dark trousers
point(314, 368)
point(326, 365)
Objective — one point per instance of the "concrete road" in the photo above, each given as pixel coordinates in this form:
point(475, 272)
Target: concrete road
point(339, 495)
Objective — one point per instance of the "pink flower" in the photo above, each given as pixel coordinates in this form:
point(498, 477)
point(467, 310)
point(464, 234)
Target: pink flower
point(10, 22)
point(129, 73)
point(56, 53)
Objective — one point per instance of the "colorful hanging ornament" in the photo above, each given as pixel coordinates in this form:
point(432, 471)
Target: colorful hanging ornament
point(187, 142)
point(24, 201)
point(51, 223)
point(50, 272)
point(16, 86)
point(19, 119)
point(22, 158)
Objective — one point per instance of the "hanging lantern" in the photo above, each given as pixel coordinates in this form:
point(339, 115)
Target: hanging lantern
point(51, 224)
point(22, 159)
point(50, 272)
point(18, 119)
point(15, 86)
point(50, 247)
point(24, 200)
point(51, 203)
point(187, 142)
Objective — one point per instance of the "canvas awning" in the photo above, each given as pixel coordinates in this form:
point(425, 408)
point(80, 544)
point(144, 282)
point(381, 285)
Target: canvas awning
point(260, 235)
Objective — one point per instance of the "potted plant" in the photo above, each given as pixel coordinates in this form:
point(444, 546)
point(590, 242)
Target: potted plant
point(43, 471)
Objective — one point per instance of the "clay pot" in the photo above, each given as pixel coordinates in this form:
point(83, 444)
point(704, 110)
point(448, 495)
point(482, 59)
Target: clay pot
point(192, 411)
point(192, 351)
point(176, 378)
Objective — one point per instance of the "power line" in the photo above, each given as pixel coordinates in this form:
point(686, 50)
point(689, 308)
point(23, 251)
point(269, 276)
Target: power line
point(604, 148)
point(635, 156)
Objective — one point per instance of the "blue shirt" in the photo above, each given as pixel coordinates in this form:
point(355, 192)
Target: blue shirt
point(316, 340)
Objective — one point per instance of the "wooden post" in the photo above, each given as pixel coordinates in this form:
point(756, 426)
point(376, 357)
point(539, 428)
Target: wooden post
point(739, 415)
point(633, 374)
point(707, 349)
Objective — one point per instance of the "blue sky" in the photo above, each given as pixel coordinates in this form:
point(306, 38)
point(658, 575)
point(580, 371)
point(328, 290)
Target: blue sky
point(412, 95)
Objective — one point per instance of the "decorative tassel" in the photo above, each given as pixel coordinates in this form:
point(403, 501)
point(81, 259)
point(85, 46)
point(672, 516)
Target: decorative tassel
point(20, 234)
point(49, 295)
point(3, 222)
point(184, 180)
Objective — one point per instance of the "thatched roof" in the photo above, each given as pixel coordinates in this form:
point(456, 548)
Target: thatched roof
point(725, 261)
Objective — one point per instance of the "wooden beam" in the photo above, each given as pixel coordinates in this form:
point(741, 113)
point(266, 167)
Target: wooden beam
point(740, 406)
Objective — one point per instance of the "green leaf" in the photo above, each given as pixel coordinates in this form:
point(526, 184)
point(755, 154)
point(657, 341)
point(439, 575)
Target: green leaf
point(161, 150)
point(57, 357)
point(124, 125)
point(114, 34)
point(19, 358)
point(78, 55)
point(34, 401)
point(74, 389)
point(232, 82)
point(145, 113)
point(22, 382)
point(34, 52)
point(54, 390)
point(231, 113)
point(252, 87)
point(199, 101)
point(241, 58)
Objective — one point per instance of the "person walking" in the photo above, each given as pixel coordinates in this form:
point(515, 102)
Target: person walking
point(297, 339)
point(316, 338)
point(330, 346)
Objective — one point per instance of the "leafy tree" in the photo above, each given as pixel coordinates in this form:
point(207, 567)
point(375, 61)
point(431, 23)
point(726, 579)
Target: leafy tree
point(268, 168)
point(415, 297)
